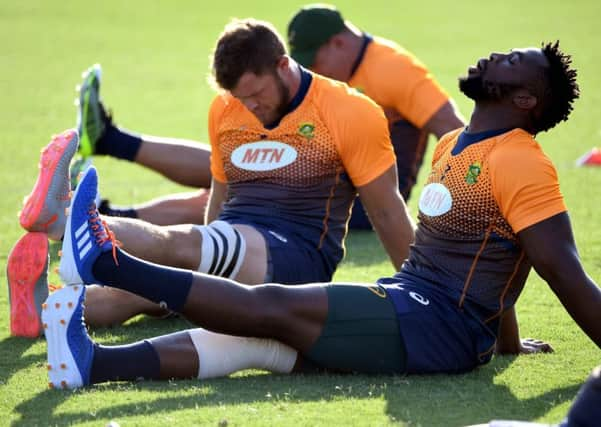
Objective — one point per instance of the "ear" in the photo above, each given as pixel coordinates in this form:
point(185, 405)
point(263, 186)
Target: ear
point(337, 41)
point(283, 62)
point(524, 100)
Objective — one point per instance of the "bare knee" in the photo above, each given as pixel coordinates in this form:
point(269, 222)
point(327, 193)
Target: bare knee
point(271, 310)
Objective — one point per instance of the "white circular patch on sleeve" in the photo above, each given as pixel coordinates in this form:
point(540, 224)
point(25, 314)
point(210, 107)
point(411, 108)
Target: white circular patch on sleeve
point(435, 200)
point(263, 156)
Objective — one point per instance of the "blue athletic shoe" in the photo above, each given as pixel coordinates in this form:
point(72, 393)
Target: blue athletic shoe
point(70, 348)
point(86, 236)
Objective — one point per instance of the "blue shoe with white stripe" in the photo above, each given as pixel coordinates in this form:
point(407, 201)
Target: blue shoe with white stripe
point(86, 235)
point(70, 348)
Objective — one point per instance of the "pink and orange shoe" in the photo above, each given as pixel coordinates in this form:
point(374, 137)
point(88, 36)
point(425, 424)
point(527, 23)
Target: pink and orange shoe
point(45, 207)
point(27, 272)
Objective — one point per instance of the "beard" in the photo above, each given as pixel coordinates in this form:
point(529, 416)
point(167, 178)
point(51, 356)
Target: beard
point(479, 89)
point(284, 98)
point(473, 87)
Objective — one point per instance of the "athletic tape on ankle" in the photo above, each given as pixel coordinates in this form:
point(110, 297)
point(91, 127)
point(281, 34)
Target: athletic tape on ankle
point(222, 251)
point(220, 355)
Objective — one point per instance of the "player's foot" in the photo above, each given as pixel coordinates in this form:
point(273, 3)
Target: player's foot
point(77, 168)
point(92, 119)
point(86, 235)
point(44, 208)
point(27, 273)
point(70, 349)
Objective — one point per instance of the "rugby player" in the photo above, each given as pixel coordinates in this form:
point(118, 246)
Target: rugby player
point(290, 150)
point(414, 103)
point(490, 212)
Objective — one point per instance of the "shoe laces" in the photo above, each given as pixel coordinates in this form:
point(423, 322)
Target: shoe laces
point(102, 232)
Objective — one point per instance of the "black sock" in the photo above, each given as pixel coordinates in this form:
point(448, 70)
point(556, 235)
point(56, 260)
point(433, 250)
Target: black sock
point(125, 362)
point(163, 285)
point(118, 143)
point(106, 208)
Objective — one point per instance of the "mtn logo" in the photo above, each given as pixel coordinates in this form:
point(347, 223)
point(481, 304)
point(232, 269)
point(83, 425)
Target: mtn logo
point(263, 156)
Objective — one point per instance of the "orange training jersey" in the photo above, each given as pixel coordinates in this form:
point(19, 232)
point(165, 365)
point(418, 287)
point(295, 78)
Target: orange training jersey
point(302, 173)
point(478, 197)
point(397, 81)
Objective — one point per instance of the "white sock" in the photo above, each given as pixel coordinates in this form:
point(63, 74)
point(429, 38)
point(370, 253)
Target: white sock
point(220, 355)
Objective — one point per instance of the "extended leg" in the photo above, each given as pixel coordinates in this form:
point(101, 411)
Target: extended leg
point(74, 360)
point(183, 161)
point(180, 208)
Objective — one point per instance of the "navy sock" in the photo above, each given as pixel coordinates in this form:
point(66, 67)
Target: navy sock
point(157, 283)
point(106, 208)
point(119, 143)
point(125, 362)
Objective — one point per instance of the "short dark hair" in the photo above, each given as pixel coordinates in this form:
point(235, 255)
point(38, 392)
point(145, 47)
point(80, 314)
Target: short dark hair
point(246, 45)
point(561, 87)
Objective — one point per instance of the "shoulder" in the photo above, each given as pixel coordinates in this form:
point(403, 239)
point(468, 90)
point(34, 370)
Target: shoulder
point(224, 102)
point(337, 100)
point(518, 146)
point(519, 159)
point(390, 53)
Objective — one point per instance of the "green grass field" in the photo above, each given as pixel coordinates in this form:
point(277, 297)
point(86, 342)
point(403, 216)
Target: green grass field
point(155, 60)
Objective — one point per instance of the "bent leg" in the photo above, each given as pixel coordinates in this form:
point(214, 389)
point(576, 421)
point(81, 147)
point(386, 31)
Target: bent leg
point(107, 306)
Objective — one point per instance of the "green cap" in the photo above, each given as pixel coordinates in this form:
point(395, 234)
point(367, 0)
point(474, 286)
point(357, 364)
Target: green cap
point(310, 28)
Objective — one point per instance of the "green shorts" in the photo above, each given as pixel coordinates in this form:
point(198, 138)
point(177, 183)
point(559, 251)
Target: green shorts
point(361, 333)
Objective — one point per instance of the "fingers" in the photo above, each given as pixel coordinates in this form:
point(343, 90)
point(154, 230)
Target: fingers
point(533, 345)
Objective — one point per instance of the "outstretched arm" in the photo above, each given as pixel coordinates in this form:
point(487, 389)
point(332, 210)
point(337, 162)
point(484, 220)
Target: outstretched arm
point(509, 342)
point(389, 215)
point(550, 247)
point(446, 119)
point(216, 200)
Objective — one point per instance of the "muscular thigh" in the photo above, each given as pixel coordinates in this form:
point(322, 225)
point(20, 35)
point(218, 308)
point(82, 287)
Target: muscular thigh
point(254, 266)
point(361, 332)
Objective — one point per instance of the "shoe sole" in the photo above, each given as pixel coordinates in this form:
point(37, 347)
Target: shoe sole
point(27, 267)
point(56, 316)
point(44, 208)
point(93, 73)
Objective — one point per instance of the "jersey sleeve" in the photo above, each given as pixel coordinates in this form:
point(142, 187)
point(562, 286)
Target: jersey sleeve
point(411, 88)
point(525, 183)
point(362, 134)
point(215, 113)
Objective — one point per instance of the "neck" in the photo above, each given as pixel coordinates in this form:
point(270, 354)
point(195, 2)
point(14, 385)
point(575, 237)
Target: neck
point(293, 79)
point(491, 116)
point(354, 41)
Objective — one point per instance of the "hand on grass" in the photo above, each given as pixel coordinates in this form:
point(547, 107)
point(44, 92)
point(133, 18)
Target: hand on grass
point(533, 346)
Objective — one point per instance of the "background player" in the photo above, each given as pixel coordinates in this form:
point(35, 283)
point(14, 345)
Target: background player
point(414, 103)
